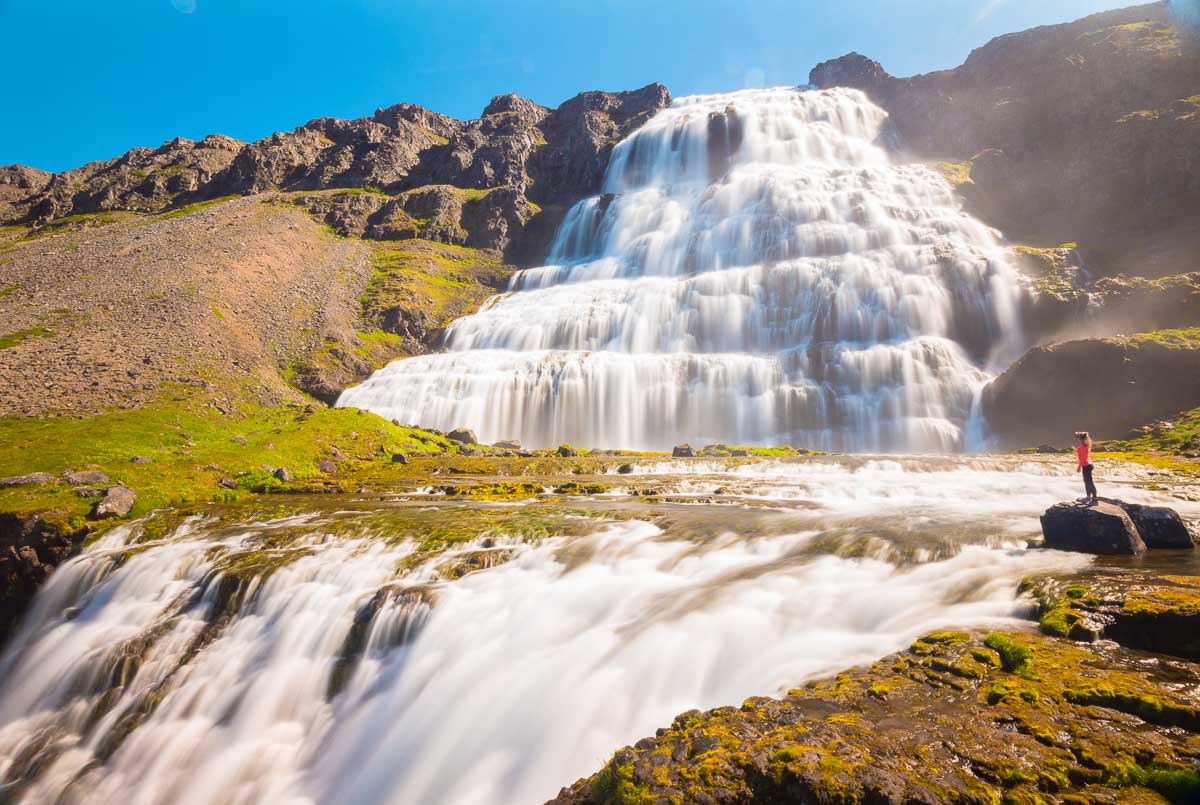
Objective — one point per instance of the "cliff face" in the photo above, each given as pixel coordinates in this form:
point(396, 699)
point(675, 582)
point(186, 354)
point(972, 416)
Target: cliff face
point(476, 182)
point(1086, 132)
point(1105, 385)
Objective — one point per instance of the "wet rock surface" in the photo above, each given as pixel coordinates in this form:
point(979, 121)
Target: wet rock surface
point(1159, 527)
point(1152, 612)
point(31, 547)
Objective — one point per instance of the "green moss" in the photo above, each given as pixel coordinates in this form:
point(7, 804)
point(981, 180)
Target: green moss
point(217, 312)
point(1058, 619)
point(191, 208)
point(1176, 339)
point(12, 339)
point(614, 785)
point(1015, 657)
point(79, 221)
point(438, 281)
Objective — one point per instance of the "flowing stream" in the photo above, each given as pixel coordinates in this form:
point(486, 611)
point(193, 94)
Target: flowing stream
point(315, 656)
point(757, 271)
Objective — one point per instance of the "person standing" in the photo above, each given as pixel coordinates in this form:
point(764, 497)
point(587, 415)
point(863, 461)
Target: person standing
point(1084, 452)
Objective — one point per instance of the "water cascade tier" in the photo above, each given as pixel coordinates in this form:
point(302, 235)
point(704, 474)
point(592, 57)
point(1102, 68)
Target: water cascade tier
point(757, 271)
point(332, 652)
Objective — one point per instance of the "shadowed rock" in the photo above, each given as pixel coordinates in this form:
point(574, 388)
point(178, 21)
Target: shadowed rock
point(1100, 528)
point(1158, 526)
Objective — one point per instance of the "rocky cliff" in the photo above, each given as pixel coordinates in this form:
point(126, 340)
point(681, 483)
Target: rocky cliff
point(476, 182)
point(1087, 132)
point(1104, 385)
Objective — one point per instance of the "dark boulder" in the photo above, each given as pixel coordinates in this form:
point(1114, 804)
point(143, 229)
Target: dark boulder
point(399, 458)
point(462, 436)
point(1101, 528)
point(282, 475)
point(567, 451)
point(683, 451)
point(625, 469)
point(1158, 526)
point(326, 466)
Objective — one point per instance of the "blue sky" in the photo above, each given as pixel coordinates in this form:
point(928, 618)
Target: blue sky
point(89, 79)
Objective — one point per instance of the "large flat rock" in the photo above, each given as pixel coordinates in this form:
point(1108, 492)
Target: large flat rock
point(1101, 528)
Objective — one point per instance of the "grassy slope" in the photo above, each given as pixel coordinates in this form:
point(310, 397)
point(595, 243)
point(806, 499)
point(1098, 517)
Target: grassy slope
point(192, 447)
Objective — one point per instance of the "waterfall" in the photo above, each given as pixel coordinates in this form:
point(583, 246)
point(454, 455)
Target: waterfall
point(756, 271)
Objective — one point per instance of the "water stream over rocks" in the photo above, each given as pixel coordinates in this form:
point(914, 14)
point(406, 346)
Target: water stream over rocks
point(414, 649)
point(757, 271)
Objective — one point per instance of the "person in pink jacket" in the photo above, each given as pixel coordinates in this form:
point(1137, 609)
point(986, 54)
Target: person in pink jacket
point(1084, 451)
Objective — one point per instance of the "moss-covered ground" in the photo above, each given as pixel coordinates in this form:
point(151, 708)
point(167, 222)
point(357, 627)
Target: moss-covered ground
point(1007, 717)
point(192, 447)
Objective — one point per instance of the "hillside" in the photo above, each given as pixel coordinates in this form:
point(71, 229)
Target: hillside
point(1087, 132)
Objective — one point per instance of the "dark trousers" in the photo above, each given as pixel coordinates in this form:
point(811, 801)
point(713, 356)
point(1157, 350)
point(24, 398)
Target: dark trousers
point(1087, 481)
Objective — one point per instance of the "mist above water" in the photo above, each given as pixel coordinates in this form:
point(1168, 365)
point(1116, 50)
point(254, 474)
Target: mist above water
point(757, 271)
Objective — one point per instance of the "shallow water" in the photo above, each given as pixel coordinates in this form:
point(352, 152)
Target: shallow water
point(361, 672)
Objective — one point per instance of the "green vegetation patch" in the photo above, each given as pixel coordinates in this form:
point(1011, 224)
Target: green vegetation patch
point(192, 447)
point(191, 208)
point(12, 339)
point(1015, 657)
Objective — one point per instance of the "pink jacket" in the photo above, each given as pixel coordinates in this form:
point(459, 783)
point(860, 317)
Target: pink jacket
point(1085, 456)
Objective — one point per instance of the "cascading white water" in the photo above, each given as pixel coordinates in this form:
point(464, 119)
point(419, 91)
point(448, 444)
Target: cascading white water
point(133, 680)
point(758, 271)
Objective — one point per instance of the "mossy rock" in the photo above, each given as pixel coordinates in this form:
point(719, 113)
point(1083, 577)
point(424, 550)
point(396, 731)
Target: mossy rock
point(1087, 726)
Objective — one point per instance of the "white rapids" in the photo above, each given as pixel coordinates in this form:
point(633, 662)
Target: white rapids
point(758, 271)
point(125, 684)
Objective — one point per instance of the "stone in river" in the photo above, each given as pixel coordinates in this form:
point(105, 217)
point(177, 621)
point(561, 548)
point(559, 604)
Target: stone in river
point(1101, 528)
point(1158, 526)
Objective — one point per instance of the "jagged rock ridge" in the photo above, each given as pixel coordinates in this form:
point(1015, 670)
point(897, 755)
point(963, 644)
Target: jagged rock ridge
point(476, 182)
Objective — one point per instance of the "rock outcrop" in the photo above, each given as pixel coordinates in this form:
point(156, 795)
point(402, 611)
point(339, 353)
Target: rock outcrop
point(1141, 611)
point(1100, 528)
point(31, 547)
point(1108, 385)
point(141, 180)
point(1088, 132)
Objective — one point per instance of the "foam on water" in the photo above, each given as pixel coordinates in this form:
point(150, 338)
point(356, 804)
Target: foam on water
point(510, 682)
point(758, 271)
